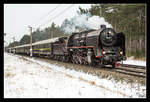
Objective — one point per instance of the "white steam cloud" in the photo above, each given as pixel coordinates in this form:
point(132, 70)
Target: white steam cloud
point(85, 21)
point(95, 22)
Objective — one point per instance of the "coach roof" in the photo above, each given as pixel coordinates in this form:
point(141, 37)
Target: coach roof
point(39, 42)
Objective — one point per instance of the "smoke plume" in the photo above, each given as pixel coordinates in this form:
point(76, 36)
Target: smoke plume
point(84, 22)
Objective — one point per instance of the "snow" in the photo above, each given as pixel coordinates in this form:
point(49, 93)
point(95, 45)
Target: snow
point(131, 60)
point(30, 78)
point(110, 10)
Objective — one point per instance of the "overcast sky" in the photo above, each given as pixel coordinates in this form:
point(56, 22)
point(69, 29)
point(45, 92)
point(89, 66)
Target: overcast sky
point(17, 17)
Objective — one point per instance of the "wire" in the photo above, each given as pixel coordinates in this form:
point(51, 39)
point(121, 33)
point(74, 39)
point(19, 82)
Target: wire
point(57, 15)
point(46, 14)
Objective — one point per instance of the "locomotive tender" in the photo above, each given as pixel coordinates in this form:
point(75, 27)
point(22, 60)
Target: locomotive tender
point(103, 46)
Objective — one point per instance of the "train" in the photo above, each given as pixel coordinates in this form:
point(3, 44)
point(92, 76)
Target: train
point(103, 46)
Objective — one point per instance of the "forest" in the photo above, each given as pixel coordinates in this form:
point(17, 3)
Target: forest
point(127, 18)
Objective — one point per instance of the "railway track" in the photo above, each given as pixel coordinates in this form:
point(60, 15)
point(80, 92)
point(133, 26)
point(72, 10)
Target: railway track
point(133, 66)
point(134, 70)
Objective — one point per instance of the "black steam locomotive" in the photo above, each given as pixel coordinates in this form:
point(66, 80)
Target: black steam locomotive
point(103, 46)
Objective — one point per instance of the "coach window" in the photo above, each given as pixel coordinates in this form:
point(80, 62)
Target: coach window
point(46, 45)
point(37, 46)
point(43, 46)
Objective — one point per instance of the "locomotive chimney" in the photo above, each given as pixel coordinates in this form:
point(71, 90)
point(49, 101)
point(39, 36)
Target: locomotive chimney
point(102, 26)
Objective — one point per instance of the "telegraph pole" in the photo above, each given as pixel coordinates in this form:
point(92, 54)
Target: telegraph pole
point(14, 41)
point(30, 41)
point(52, 34)
point(100, 11)
point(5, 42)
point(14, 44)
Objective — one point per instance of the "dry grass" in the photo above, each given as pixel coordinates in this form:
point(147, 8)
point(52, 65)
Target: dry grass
point(31, 73)
point(101, 86)
point(8, 74)
point(90, 82)
point(70, 76)
point(143, 59)
point(11, 82)
point(83, 79)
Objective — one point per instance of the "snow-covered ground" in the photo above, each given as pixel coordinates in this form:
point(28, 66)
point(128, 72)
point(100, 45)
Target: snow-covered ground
point(26, 78)
point(134, 62)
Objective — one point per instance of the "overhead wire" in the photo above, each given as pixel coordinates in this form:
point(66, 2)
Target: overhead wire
point(56, 16)
point(51, 12)
point(46, 14)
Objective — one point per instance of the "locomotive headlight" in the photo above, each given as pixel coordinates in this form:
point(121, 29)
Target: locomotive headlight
point(104, 52)
point(121, 52)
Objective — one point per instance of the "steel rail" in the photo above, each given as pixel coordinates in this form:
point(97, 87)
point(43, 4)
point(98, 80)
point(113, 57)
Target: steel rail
point(130, 73)
point(133, 66)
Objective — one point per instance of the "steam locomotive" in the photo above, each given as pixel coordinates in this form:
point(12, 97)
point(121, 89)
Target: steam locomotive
point(91, 47)
point(103, 46)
